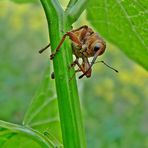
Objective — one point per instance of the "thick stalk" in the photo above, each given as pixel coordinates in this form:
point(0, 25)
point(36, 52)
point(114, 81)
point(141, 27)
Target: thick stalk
point(67, 92)
point(70, 4)
point(75, 11)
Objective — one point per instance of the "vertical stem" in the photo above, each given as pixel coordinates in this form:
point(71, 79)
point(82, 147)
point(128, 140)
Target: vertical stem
point(70, 4)
point(67, 92)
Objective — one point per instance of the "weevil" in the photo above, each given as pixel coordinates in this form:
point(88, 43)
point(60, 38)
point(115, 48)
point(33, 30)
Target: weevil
point(85, 44)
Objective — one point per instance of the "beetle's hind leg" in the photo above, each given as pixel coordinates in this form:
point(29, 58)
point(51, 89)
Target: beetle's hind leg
point(73, 38)
point(82, 27)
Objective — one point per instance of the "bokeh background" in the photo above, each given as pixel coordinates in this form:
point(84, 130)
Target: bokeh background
point(115, 106)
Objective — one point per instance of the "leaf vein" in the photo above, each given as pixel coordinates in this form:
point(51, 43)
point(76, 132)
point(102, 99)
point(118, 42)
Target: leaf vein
point(40, 109)
point(131, 24)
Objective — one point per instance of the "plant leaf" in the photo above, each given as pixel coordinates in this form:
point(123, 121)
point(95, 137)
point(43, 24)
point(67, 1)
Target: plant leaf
point(13, 134)
point(123, 23)
point(42, 114)
point(20, 140)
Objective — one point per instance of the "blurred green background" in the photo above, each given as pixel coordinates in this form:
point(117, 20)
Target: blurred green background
point(115, 106)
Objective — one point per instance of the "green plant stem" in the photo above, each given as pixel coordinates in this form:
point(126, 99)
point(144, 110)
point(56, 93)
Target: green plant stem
point(70, 4)
point(38, 137)
point(67, 92)
point(74, 13)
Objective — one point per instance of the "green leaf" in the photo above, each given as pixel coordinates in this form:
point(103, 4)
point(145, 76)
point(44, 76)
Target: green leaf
point(42, 114)
point(13, 134)
point(20, 140)
point(25, 1)
point(123, 23)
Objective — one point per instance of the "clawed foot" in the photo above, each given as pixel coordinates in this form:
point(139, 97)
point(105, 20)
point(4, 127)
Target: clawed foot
point(72, 65)
point(52, 56)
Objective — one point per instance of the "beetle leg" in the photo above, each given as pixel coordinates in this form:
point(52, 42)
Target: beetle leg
point(43, 49)
point(78, 70)
point(74, 63)
point(81, 67)
point(84, 67)
point(84, 26)
point(84, 31)
point(72, 36)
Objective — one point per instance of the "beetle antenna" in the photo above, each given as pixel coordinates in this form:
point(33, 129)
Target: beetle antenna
point(93, 62)
point(43, 49)
point(107, 65)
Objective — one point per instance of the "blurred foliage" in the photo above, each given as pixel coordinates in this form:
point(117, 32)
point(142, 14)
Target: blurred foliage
point(114, 105)
point(21, 36)
point(24, 1)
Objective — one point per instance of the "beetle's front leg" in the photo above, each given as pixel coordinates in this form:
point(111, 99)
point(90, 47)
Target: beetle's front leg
point(78, 70)
point(84, 67)
point(74, 63)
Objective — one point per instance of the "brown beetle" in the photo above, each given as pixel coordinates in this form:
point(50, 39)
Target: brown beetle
point(85, 43)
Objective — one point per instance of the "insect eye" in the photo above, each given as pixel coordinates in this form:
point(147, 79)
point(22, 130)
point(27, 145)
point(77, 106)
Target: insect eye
point(96, 48)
